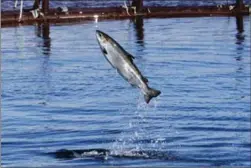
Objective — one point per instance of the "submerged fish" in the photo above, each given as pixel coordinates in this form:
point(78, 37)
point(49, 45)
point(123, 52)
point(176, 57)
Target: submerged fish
point(123, 62)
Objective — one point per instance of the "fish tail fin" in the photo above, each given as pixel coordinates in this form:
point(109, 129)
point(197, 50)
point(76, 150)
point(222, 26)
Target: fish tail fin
point(150, 94)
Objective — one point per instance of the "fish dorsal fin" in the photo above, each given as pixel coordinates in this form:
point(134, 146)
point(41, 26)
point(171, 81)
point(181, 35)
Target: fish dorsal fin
point(145, 79)
point(130, 56)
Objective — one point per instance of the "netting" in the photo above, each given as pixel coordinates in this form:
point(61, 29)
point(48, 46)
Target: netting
point(9, 4)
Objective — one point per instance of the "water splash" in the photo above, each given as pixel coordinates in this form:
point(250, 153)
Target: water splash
point(137, 137)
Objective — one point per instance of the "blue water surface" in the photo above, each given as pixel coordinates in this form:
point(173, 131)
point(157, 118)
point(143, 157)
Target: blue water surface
point(63, 104)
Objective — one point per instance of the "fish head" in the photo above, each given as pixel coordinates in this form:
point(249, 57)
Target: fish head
point(104, 41)
point(101, 36)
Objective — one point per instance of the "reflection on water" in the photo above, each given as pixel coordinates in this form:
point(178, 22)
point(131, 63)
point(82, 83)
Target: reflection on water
point(240, 39)
point(239, 23)
point(43, 30)
point(19, 41)
point(38, 30)
point(46, 37)
point(139, 29)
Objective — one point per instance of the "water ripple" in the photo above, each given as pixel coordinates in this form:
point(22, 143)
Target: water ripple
point(63, 104)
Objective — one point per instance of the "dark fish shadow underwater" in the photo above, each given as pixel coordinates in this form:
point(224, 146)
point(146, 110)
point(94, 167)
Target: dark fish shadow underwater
point(109, 155)
point(106, 154)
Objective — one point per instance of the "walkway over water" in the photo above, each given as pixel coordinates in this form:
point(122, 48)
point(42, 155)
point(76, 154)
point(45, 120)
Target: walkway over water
point(79, 13)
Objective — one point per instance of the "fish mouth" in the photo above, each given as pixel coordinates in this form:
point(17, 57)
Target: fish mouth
point(99, 34)
point(102, 36)
point(101, 39)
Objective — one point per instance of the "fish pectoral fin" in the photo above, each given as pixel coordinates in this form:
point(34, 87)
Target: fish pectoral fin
point(132, 83)
point(104, 50)
point(145, 79)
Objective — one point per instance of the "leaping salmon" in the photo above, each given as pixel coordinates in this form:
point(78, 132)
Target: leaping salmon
point(123, 62)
